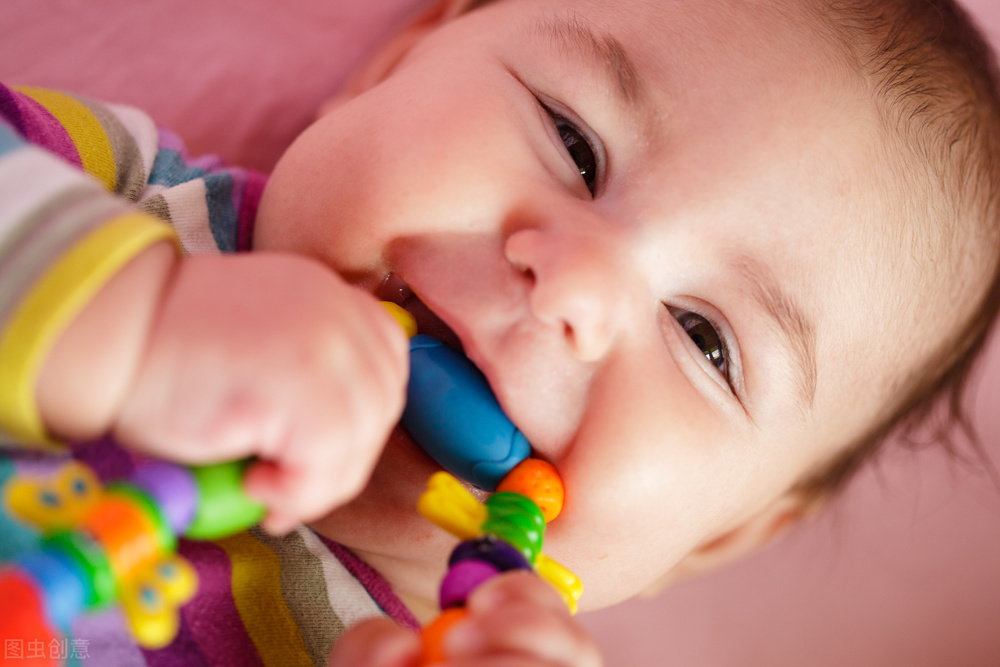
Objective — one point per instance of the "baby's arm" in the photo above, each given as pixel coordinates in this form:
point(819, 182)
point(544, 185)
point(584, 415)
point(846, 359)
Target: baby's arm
point(514, 619)
point(212, 358)
point(103, 327)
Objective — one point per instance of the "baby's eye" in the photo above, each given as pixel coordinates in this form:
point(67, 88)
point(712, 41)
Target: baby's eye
point(580, 151)
point(579, 148)
point(705, 337)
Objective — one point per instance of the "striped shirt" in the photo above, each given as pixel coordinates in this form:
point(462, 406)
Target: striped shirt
point(70, 168)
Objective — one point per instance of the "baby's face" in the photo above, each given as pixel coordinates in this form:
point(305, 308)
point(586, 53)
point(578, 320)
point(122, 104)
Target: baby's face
point(652, 227)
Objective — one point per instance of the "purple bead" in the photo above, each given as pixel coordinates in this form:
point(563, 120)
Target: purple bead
point(172, 487)
point(492, 550)
point(462, 578)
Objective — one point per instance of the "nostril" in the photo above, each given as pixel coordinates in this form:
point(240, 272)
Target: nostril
point(524, 270)
point(522, 249)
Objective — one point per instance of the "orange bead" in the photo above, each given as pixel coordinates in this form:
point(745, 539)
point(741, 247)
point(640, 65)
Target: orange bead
point(433, 634)
point(538, 480)
point(123, 530)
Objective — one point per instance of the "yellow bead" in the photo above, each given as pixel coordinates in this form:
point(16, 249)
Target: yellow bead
point(449, 505)
point(562, 578)
point(404, 318)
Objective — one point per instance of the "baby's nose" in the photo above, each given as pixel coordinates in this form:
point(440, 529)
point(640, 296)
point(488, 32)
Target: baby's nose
point(575, 286)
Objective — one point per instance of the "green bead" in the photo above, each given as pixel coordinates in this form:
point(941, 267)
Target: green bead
point(517, 520)
point(165, 537)
point(507, 503)
point(223, 507)
point(99, 580)
point(519, 531)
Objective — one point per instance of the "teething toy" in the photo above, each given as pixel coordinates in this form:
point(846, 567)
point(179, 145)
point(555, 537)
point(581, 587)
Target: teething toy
point(116, 543)
point(505, 533)
point(452, 415)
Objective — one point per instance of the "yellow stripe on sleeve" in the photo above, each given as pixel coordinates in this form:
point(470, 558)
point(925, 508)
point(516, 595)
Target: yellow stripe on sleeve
point(256, 581)
point(51, 305)
point(84, 129)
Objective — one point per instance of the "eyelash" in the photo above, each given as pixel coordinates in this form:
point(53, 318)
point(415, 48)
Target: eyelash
point(580, 148)
point(717, 353)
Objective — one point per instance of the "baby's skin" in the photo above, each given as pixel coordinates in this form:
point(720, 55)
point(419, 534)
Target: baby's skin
point(659, 229)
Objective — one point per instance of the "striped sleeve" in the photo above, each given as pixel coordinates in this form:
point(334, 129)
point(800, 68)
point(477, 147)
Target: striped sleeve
point(114, 144)
point(62, 234)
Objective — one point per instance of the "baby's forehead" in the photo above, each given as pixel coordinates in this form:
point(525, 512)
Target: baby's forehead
point(741, 30)
point(718, 54)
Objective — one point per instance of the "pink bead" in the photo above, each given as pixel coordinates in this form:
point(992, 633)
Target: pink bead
point(462, 578)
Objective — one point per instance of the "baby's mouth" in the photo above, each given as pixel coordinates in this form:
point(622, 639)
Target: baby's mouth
point(452, 413)
point(394, 289)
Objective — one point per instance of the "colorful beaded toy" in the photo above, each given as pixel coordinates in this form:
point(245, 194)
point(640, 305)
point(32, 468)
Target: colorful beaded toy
point(503, 534)
point(452, 414)
point(118, 543)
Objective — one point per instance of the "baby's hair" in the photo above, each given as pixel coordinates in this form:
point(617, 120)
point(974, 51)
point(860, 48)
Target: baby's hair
point(936, 84)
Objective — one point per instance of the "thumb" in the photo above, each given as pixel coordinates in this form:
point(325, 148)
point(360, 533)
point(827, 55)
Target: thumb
point(376, 642)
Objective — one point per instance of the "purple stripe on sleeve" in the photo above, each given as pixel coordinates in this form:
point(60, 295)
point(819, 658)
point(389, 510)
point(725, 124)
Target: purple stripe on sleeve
point(37, 125)
point(211, 619)
point(253, 188)
point(169, 140)
point(376, 586)
point(207, 162)
point(182, 652)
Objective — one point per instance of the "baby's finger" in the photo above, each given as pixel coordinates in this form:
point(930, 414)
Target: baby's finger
point(376, 642)
point(299, 494)
point(519, 614)
point(516, 586)
point(520, 628)
point(504, 660)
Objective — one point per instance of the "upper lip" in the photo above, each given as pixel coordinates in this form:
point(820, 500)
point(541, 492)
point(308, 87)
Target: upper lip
point(395, 289)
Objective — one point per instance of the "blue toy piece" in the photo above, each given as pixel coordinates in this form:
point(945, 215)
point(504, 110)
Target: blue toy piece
point(61, 580)
point(452, 414)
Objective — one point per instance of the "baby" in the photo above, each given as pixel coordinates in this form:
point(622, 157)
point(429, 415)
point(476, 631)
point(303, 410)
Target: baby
point(706, 253)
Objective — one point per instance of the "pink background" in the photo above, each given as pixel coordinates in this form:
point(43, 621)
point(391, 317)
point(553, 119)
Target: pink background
point(904, 571)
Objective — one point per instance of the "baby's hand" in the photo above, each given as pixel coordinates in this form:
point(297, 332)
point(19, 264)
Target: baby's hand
point(275, 357)
point(514, 619)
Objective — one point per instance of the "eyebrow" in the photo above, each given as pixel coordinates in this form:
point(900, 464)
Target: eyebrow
point(609, 56)
point(789, 318)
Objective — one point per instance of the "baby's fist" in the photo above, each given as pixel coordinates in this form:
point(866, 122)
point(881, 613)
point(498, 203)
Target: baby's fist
point(514, 620)
point(270, 356)
point(518, 619)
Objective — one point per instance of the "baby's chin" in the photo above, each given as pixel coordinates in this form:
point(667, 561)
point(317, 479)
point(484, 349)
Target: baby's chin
point(383, 519)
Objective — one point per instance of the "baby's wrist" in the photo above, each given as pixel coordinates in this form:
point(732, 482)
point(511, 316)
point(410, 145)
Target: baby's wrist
point(92, 361)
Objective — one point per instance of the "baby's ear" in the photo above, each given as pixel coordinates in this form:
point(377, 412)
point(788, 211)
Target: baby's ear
point(384, 59)
point(759, 530)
